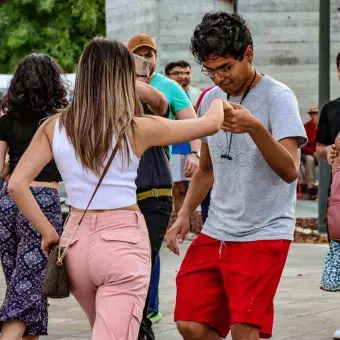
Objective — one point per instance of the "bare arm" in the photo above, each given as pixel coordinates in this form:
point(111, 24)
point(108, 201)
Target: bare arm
point(37, 155)
point(191, 162)
point(200, 183)
point(325, 148)
point(3, 151)
point(156, 131)
point(326, 153)
point(282, 156)
point(336, 160)
point(152, 97)
point(189, 113)
point(321, 152)
point(6, 171)
point(199, 186)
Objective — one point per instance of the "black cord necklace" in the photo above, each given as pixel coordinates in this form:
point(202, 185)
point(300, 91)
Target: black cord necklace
point(227, 154)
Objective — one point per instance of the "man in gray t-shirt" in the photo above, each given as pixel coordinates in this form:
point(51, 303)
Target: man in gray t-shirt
point(249, 200)
point(230, 274)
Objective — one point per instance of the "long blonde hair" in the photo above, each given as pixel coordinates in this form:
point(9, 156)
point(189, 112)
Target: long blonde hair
point(104, 102)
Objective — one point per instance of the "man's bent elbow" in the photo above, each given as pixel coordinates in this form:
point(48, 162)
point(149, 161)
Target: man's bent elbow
point(291, 176)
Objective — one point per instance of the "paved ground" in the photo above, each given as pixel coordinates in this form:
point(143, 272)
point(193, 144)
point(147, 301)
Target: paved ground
point(306, 209)
point(304, 312)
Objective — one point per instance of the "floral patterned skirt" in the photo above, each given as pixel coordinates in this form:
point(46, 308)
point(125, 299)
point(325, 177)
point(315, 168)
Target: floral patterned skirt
point(331, 272)
point(23, 261)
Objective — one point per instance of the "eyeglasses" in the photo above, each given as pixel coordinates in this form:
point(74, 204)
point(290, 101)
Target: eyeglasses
point(179, 73)
point(224, 71)
point(142, 76)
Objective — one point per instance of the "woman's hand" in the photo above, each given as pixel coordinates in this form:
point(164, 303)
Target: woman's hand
point(49, 240)
point(216, 112)
point(6, 172)
point(238, 119)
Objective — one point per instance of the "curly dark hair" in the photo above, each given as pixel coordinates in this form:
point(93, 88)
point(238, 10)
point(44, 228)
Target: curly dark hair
point(222, 34)
point(36, 89)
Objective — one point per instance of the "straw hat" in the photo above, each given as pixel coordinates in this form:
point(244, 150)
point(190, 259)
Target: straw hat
point(314, 108)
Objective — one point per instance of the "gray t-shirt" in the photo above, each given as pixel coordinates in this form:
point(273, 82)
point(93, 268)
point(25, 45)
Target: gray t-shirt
point(249, 201)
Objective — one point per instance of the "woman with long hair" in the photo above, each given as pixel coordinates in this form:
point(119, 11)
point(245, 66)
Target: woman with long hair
point(36, 92)
point(108, 261)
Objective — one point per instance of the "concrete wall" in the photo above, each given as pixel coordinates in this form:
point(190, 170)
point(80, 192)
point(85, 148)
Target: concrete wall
point(285, 34)
point(286, 40)
point(170, 22)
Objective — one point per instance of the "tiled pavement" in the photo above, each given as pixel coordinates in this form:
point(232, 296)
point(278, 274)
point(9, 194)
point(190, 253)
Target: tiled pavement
point(306, 209)
point(304, 312)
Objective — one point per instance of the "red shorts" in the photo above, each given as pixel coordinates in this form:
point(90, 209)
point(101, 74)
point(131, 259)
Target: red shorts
point(221, 284)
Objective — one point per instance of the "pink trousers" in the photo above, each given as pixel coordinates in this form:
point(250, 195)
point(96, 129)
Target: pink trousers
point(109, 266)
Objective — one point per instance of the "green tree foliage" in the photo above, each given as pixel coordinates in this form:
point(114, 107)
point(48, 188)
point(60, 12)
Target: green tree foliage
point(60, 28)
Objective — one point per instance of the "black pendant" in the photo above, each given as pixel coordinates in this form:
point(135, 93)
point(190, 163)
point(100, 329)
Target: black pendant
point(226, 156)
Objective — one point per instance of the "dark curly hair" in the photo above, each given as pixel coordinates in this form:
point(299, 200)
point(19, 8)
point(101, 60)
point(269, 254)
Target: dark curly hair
point(36, 89)
point(222, 34)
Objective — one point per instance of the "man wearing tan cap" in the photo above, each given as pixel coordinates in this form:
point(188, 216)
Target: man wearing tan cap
point(180, 105)
point(308, 152)
point(157, 208)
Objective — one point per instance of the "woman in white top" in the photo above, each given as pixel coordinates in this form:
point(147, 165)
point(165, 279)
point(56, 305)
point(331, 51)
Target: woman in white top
point(108, 261)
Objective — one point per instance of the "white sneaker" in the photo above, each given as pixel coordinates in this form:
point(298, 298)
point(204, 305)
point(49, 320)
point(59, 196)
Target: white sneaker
point(337, 334)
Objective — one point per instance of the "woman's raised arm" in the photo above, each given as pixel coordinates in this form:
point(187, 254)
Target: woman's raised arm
point(156, 131)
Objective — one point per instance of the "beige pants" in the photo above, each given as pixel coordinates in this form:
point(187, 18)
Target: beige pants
point(310, 170)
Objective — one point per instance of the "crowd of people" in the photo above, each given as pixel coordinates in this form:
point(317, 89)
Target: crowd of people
point(148, 136)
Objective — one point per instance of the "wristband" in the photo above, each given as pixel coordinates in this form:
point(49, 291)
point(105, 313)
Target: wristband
point(197, 153)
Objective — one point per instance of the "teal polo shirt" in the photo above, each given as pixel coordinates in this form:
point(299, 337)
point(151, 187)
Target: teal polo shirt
point(176, 97)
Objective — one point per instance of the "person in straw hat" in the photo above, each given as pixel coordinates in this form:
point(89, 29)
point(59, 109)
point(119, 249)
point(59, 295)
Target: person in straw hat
point(308, 152)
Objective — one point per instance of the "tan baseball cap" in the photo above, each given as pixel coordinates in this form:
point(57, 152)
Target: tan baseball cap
point(141, 40)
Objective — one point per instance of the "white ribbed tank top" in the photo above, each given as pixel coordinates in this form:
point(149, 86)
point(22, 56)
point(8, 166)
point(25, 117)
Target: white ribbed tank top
point(118, 188)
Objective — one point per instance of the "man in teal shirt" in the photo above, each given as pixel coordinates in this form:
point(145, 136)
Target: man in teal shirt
point(156, 209)
point(180, 106)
